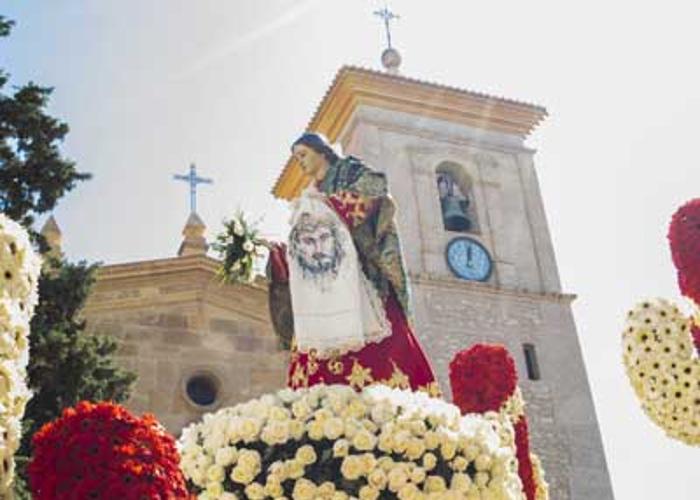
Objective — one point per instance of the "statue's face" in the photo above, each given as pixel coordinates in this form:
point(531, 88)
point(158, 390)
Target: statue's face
point(316, 248)
point(313, 164)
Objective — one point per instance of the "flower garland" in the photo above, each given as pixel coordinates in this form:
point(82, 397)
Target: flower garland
point(658, 357)
point(97, 448)
point(19, 275)
point(238, 246)
point(684, 239)
point(484, 379)
point(333, 442)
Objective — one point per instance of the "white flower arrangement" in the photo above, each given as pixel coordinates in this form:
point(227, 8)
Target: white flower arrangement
point(19, 275)
point(332, 442)
point(239, 246)
point(658, 357)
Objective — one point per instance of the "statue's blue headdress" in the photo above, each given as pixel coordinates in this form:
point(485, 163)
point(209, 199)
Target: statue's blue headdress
point(318, 143)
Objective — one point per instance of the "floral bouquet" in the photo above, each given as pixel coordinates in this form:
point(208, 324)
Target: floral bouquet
point(102, 451)
point(19, 275)
point(238, 245)
point(332, 442)
point(483, 380)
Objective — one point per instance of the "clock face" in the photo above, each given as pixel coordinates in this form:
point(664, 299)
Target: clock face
point(468, 259)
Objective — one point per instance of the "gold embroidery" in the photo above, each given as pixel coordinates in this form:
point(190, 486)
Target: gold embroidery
point(312, 362)
point(359, 376)
point(432, 389)
point(299, 377)
point(398, 379)
point(335, 365)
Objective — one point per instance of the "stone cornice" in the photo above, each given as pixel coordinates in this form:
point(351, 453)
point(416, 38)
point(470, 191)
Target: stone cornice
point(425, 279)
point(354, 86)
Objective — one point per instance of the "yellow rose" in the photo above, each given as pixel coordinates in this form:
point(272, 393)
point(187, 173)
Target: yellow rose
point(369, 462)
point(377, 478)
point(214, 489)
point(301, 409)
point(356, 409)
point(339, 495)
point(417, 475)
point(481, 479)
point(364, 441)
point(326, 490)
point(306, 454)
point(435, 484)
point(226, 456)
point(415, 448)
point(409, 492)
point(369, 425)
point(295, 469)
point(273, 488)
point(401, 441)
point(278, 413)
point(471, 452)
point(461, 482)
point(315, 430)
point(255, 491)
point(333, 428)
point(432, 440)
point(397, 478)
point(215, 474)
point(304, 490)
point(460, 464)
point(418, 427)
point(341, 448)
point(368, 492)
point(386, 442)
point(448, 449)
point(323, 414)
point(351, 468)
point(241, 475)
point(385, 463)
point(296, 429)
point(250, 459)
point(429, 461)
point(249, 429)
point(352, 427)
point(275, 432)
point(483, 462)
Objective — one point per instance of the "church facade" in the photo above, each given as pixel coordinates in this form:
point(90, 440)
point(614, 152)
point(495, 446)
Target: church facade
point(477, 249)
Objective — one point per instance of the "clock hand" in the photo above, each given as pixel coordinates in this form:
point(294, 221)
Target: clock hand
point(469, 256)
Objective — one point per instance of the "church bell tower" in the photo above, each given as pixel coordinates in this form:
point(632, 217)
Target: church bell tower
point(476, 244)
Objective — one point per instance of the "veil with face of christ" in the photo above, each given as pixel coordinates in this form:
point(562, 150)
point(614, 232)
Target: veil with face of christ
point(335, 308)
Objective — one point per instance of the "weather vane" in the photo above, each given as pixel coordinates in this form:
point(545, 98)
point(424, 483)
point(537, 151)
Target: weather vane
point(193, 180)
point(387, 16)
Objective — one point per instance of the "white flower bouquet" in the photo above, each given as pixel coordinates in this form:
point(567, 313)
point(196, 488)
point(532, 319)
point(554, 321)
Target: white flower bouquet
point(19, 274)
point(238, 246)
point(332, 442)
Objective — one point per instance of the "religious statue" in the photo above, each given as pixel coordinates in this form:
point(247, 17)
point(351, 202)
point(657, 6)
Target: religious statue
point(344, 269)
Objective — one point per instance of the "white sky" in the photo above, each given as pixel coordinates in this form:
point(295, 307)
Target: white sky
point(148, 86)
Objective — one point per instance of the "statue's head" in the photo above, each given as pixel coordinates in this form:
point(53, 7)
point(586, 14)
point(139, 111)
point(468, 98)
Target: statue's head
point(316, 246)
point(314, 153)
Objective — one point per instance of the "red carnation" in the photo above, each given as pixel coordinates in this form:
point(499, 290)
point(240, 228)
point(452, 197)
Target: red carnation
point(684, 238)
point(522, 450)
point(103, 451)
point(483, 377)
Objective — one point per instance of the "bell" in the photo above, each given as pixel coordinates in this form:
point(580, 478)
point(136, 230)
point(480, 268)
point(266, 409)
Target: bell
point(454, 214)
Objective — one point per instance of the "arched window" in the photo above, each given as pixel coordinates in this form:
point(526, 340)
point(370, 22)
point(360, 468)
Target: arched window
point(456, 199)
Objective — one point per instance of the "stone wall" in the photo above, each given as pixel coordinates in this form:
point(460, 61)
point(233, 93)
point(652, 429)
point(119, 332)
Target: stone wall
point(175, 325)
point(453, 315)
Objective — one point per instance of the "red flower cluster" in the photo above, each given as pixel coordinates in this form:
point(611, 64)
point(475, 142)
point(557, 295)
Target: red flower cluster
point(684, 237)
point(482, 377)
point(102, 451)
point(522, 451)
point(695, 331)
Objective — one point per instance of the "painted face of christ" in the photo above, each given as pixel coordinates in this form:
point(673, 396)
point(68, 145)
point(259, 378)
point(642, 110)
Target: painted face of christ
point(315, 246)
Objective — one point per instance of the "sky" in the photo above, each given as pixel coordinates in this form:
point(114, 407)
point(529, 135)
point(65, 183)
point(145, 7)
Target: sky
point(149, 86)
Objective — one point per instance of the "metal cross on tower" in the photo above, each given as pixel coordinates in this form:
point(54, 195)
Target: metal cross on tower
point(387, 16)
point(193, 180)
